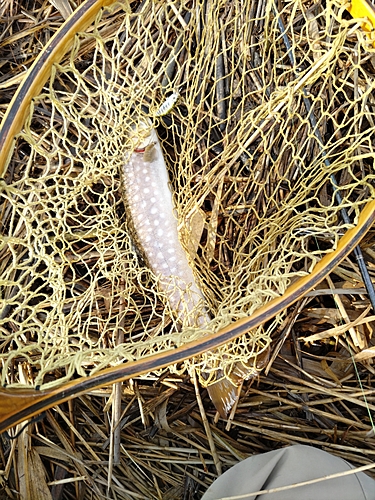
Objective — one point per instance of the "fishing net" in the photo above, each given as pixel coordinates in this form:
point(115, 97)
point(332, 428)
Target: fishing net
point(250, 180)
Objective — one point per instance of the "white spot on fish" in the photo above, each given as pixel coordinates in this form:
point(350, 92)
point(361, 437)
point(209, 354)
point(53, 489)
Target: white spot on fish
point(146, 190)
point(160, 232)
point(153, 210)
point(156, 222)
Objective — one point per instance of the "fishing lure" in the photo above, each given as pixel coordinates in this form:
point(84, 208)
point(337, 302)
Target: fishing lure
point(168, 104)
point(365, 10)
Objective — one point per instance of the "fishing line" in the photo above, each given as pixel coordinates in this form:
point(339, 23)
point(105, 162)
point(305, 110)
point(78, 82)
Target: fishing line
point(33, 420)
point(361, 386)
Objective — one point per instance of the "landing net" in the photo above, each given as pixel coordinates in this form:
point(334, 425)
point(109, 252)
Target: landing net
point(250, 183)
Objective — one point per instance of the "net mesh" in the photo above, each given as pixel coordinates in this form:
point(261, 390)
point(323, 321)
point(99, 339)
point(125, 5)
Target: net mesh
point(250, 183)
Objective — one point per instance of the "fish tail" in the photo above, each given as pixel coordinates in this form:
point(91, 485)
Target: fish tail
point(223, 394)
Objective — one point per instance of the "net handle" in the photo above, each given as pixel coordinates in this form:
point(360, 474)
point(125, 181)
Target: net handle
point(364, 9)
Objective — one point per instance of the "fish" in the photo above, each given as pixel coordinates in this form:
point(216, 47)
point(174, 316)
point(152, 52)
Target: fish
point(150, 208)
point(154, 227)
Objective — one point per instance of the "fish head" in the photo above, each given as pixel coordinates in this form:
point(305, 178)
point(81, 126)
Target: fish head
point(142, 135)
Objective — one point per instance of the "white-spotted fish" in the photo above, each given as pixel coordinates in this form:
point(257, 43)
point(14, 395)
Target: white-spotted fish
point(150, 207)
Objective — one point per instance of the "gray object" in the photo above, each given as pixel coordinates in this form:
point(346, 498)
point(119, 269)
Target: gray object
point(289, 466)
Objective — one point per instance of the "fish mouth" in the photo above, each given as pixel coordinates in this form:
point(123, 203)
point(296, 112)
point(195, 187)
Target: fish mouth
point(142, 135)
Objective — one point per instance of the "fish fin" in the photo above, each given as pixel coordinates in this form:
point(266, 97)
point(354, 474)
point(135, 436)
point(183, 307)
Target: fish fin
point(223, 394)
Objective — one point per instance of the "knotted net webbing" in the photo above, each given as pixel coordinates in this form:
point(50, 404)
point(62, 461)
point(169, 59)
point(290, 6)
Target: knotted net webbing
point(251, 186)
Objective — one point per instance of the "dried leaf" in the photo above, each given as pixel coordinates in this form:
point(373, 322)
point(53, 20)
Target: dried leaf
point(63, 6)
point(368, 353)
point(339, 330)
point(313, 29)
point(329, 372)
point(212, 226)
point(161, 416)
point(31, 473)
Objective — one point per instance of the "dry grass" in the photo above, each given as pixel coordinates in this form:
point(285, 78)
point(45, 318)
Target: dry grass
point(318, 389)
